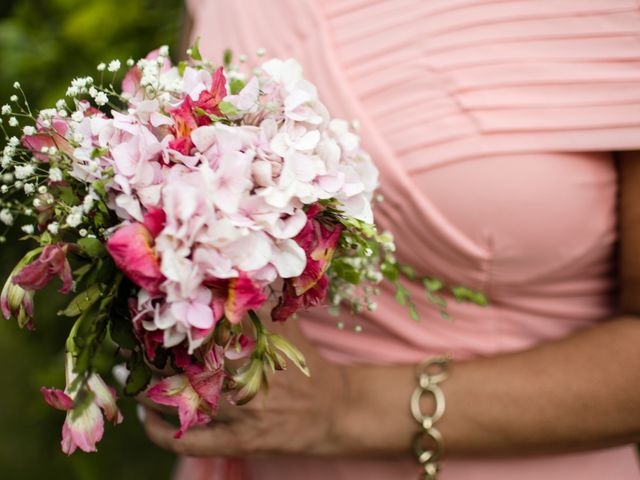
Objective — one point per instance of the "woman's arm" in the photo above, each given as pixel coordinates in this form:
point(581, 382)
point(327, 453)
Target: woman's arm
point(579, 393)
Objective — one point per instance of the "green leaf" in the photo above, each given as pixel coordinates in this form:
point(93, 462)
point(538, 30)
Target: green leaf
point(227, 57)
point(120, 325)
point(82, 302)
point(345, 271)
point(228, 109)
point(389, 271)
point(99, 152)
point(402, 294)
point(408, 271)
point(236, 85)
point(195, 50)
point(287, 348)
point(182, 66)
point(139, 374)
point(92, 247)
point(464, 294)
point(67, 196)
point(413, 313)
point(432, 284)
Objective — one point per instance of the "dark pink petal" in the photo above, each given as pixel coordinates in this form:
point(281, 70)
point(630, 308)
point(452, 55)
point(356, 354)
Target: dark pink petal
point(51, 262)
point(242, 295)
point(176, 391)
point(291, 302)
point(57, 398)
point(131, 249)
point(155, 220)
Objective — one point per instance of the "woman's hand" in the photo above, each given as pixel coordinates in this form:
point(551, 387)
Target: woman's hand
point(298, 414)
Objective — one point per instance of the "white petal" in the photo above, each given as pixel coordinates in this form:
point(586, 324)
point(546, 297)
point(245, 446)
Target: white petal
point(288, 258)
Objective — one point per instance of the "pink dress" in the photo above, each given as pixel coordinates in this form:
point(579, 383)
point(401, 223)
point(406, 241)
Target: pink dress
point(492, 123)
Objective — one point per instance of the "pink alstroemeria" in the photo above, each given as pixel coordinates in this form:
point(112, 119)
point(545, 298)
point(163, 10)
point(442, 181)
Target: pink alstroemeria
point(189, 115)
point(84, 424)
point(290, 302)
point(53, 136)
point(319, 242)
point(51, 262)
point(241, 295)
point(185, 122)
point(131, 247)
point(310, 288)
point(209, 101)
point(196, 392)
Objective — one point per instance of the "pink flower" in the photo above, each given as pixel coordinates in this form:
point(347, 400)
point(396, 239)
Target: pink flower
point(51, 262)
point(209, 101)
point(131, 249)
point(291, 303)
point(239, 295)
point(319, 242)
point(196, 392)
point(48, 137)
point(310, 288)
point(84, 424)
point(185, 122)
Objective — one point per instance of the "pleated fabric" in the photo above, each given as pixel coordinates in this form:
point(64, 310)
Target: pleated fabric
point(492, 123)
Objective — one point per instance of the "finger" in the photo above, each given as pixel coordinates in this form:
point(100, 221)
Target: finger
point(215, 439)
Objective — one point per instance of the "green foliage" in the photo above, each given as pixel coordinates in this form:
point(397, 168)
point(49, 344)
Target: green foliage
point(44, 45)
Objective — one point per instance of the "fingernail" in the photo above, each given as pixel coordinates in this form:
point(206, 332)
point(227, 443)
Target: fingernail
point(141, 413)
point(120, 373)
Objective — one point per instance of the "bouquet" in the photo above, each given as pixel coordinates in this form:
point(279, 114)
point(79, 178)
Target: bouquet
point(184, 211)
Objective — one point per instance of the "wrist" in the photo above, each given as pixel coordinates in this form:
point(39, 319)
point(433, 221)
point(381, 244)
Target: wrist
point(373, 416)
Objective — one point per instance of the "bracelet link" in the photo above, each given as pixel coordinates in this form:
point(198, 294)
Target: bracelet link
point(430, 375)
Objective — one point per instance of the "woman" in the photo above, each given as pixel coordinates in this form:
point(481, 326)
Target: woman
point(494, 125)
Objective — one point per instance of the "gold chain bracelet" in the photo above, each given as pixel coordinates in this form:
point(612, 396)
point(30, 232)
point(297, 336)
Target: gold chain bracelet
point(430, 374)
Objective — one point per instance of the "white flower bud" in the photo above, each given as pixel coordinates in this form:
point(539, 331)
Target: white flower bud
point(114, 65)
point(101, 99)
point(13, 98)
point(28, 229)
point(101, 67)
point(16, 85)
point(6, 109)
point(29, 130)
point(55, 174)
point(53, 227)
point(6, 217)
point(13, 121)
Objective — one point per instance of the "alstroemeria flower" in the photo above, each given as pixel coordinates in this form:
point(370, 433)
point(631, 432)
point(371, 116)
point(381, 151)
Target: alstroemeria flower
point(209, 100)
point(51, 262)
point(53, 136)
point(291, 302)
point(196, 392)
point(242, 295)
point(185, 122)
point(131, 248)
point(17, 302)
point(320, 243)
point(84, 424)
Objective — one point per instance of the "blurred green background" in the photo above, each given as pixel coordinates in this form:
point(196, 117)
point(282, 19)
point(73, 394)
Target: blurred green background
point(43, 45)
